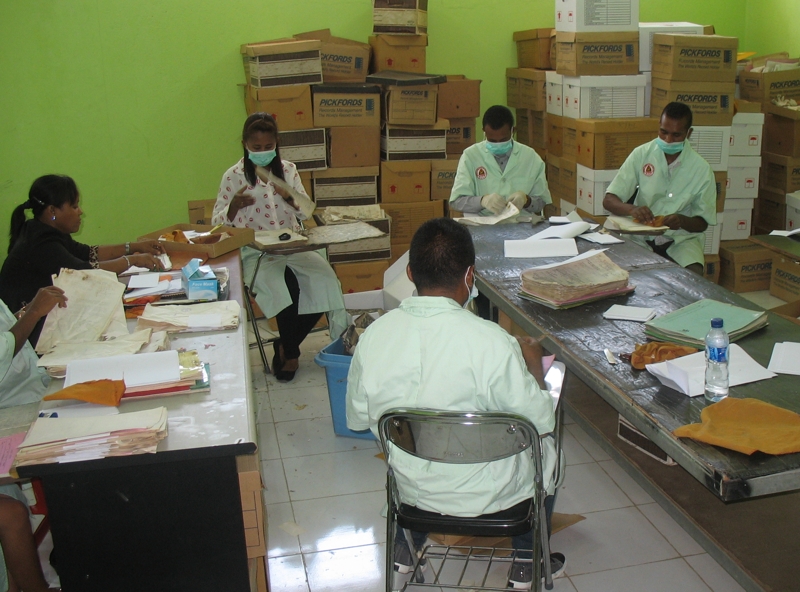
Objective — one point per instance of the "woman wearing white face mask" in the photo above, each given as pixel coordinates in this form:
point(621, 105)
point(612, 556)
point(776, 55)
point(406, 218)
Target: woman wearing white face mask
point(295, 289)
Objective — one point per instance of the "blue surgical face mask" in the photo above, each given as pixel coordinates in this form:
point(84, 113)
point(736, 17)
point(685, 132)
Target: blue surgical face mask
point(670, 148)
point(261, 158)
point(473, 292)
point(499, 148)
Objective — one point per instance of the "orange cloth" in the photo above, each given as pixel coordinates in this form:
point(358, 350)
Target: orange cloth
point(102, 392)
point(658, 351)
point(746, 425)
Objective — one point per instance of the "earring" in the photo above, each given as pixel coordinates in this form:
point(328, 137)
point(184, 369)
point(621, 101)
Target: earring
point(54, 218)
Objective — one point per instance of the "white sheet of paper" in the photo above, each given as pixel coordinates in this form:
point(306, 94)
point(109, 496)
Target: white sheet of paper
point(477, 219)
point(785, 232)
point(197, 321)
point(556, 247)
point(585, 255)
point(143, 280)
point(161, 287)
point(570, 230)
point(620, 312)
point(559, 220)
point(601, 238)
point(687, 374)
point(135, 370)
point(784, 358)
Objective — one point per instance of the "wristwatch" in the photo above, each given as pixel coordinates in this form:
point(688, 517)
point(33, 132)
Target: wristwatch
point(127, 248)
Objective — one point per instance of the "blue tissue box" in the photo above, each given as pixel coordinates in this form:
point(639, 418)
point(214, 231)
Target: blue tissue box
point(198, 281)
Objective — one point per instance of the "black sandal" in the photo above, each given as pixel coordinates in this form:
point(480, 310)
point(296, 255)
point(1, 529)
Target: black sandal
point(279, 374)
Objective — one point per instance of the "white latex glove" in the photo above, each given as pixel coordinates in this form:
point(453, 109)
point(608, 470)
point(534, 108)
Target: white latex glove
point(494, 203)
point(519, 199)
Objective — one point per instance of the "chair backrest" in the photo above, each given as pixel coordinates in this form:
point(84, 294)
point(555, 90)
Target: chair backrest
point(459, 438)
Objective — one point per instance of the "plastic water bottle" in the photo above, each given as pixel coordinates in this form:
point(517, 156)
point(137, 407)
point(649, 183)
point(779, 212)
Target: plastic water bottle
point(716, 362)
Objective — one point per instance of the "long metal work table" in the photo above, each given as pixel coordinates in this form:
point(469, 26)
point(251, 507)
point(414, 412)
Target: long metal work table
point(171, 521)
point(783, 245)
point(578, 337)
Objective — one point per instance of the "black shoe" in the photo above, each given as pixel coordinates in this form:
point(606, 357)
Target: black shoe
point(521, 575)
point(403, 563)
point(279, 374)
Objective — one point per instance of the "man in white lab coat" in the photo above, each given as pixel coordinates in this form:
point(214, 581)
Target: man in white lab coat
point(432, 353)
point(673, 181)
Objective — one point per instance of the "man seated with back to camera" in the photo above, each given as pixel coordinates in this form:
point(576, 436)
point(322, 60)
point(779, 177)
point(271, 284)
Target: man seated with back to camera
point(432, 353)
point(673, 181)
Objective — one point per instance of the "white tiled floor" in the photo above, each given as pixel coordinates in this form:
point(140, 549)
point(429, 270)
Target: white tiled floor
point(324, 494)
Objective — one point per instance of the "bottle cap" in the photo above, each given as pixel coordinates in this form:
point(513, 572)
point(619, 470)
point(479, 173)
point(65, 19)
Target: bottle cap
point(716, 323)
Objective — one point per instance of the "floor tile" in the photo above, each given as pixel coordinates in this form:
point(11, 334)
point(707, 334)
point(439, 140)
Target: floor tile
point(338, 473)
point(357, 569)
point(590, 445)
point(274, 479)
point(610, 540)
point(587, 488)
point(263, 407)
point(287, 574)
point(267, 442)
point(626, 483)
point(712, 573)
point(341, 521)
point(663, 576)
point(575, 453)
point(315, 436)
point(666, 525)
point(282, 537)
point(300, 403)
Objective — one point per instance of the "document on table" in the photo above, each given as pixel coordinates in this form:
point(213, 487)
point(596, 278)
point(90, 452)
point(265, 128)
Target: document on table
point(620, 312)
point(785, 232)
point(144, 280)
point(135, 370)
point(601, 238)
point(477, 220)
point(554, 247)
point(785, 357)
point(687, 374)
point(569, 230)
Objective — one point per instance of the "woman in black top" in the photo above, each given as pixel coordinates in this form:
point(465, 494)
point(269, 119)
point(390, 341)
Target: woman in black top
point(41, 246)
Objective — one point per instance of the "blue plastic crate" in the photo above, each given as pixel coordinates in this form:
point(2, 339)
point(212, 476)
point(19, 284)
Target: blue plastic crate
point(337, 365)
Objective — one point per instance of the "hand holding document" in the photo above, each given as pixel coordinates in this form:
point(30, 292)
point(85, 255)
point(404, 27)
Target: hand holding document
point(478, 220)
point(627, 225)
point(303, 203)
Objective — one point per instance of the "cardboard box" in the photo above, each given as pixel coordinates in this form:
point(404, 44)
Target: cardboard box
point(648, 94)
point(711, 269)
point(282, 62)
point(407, 217)
point(369, 249)
point(646, 32)
point(569, 179)
point(569, 138)
point(354, 146)
point(408, 142)
point(747, 132)
point(307, 149)
point(531, 128)
point(404, 53)
point(737, 225)
point(553, 174)
point(343, 60)
point(770, 210)
point(201, 210)
point(555, 134)
point(567, 207)
point(407, 17)
point(763, 87)
point(346, 104)
point(712, 236)
point(198, 281)
point(396, 286)
point(742, 180)
point(744, 266)
point(712, 142)
point(443, 175)
point(290, 106)
point(780, 172)
point(460, 136)
point(721, 182)
point(405, 181)
point(600, 97)
point(606, 143)
point(409, 105)
point(592, 186)
point(603, 54)
point(533, 48)
point(793, 210)
point(239, 238)
point(597, 15)
point(250, 487)
point(362, 276)
point(782, 131)
point(711, 102)
point(356, 186)
point(785, 280)
point(701, 58)
point(789, 311)
point(526, 88)
point(554, 88)
point(459, 98)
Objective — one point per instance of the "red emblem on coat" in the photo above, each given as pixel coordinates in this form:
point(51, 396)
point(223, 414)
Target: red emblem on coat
point(480, 173)
point(648, 170)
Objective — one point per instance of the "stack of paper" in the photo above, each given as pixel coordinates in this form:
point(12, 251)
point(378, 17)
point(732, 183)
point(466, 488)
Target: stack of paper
point(690, 324)
point(56, 361)
point(785, 356)
point(52, 440)
point(585, 278)
point(204, 316)
point(627, 225)
point(619, 312)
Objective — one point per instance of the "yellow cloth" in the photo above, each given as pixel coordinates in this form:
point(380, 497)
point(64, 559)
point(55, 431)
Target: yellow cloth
point(102, 392)
point(746, 425)
point(658, 351)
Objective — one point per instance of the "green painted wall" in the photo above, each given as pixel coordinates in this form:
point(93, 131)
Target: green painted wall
point(140, 103)
point(772, 26)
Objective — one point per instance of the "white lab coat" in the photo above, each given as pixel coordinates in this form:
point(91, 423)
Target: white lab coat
point(21, 381)
point(431, 353)
point(688, 188)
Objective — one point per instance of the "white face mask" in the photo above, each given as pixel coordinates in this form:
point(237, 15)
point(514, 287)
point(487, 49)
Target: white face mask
point(473, 292)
